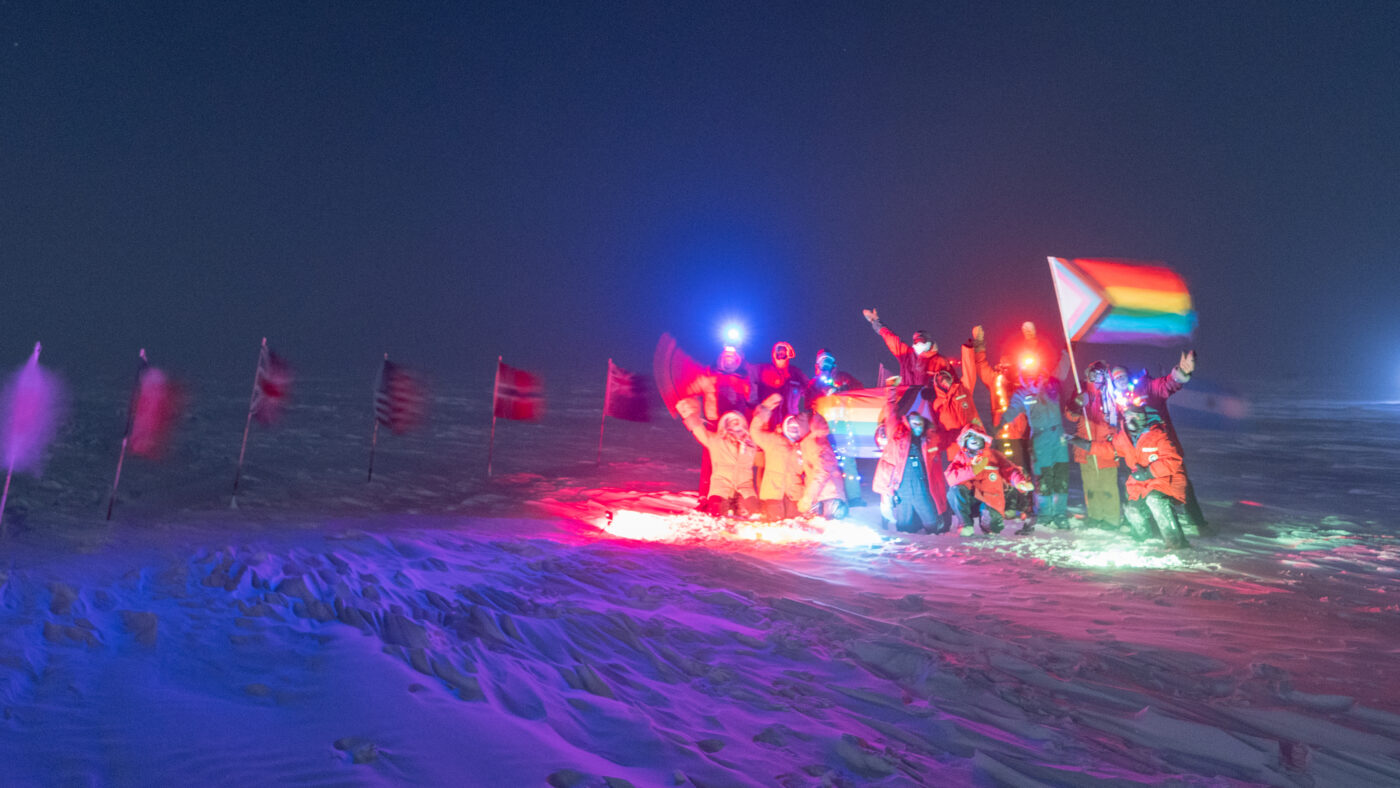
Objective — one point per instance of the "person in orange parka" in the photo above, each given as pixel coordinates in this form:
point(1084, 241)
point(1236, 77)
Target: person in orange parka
point(731, 450)
point(907, 478)
point(1156, 475)
point(977, 479)
point(1000, 380)
point(952, 406)
point(917, 362)
point(802, 474)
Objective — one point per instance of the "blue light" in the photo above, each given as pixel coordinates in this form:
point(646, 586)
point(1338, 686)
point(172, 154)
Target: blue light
point(733, 333)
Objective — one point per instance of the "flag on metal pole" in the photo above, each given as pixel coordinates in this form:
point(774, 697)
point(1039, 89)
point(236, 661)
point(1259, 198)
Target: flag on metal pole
point(516, 395)
point(155, 406)
point(30, 409)
point(272, 385)
point(399, 404)
point(624, 397)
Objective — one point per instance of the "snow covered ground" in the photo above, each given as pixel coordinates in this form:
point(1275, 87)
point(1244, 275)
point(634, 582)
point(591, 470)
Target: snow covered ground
point(436, 627)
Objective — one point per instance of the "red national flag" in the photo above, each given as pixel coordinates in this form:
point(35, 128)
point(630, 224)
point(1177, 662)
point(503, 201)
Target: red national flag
point(518, 395)
point(399, 399)
point(154, 409)
point(271, 388)
point(626, 397)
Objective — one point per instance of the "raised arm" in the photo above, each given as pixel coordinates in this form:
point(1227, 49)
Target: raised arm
point(892, 340)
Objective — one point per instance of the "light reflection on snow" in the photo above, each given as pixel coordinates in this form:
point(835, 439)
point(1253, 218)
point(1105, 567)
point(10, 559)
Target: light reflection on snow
point(1122, 558)
point(694, 527)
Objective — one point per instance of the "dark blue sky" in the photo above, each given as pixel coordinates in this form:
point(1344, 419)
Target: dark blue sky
point(563, 182)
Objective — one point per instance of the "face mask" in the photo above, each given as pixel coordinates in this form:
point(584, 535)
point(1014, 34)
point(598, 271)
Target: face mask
point(827, 365)
point(916, 426)
point(974, 444)
point(922, 347)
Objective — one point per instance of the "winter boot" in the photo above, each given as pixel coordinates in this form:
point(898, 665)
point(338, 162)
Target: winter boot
point(991, 521)
point(1162, 511)
point(1136, 513)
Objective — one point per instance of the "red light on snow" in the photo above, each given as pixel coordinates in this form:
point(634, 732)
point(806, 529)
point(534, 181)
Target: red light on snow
point(1251, 503)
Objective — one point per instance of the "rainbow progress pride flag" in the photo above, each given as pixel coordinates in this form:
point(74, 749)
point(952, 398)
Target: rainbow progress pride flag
point(853, 417)
point(1120, 302)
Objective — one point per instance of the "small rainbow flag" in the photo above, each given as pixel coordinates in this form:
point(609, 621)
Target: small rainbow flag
point(853, 417)
point(1122, 302)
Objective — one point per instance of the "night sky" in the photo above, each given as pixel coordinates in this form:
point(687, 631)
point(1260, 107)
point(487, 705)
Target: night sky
point(561, 182)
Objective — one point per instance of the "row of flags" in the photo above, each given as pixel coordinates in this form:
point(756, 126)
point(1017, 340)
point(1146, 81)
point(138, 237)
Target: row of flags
point(32, 404)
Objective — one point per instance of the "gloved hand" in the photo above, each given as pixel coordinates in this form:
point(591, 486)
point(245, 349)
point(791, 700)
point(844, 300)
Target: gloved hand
point(894, 499)
point(871, 315)
point(772, 401)
point(1142, 474)
point(979, 464)
point(1079, 400)
point(979, 336)
point(1025, 487)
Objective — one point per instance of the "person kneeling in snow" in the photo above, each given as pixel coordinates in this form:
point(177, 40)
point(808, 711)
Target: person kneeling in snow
point(906, 477)
point(1156, 475)
point(977, 479)
point(802, 474)
point(732, 453)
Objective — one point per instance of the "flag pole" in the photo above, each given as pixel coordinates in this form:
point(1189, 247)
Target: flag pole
point(238, 474)
point(126, 436)
point(495, 390)
point(374, 433)
point(607, 394)
point(4, 528)
point(1073, 367)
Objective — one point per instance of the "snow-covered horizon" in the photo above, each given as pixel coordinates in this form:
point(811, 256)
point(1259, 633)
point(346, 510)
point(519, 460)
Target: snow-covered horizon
point(436, 627)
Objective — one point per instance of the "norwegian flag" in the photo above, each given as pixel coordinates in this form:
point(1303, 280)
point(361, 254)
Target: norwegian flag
point(626, 397)
point(271, 387)
point(518, 395)
point(399, 400)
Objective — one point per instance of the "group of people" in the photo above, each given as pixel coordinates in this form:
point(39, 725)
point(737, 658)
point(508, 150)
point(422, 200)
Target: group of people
point(768, 453)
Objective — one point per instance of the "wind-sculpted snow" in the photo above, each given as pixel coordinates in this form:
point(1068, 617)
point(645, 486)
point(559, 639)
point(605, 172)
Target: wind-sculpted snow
point(188, 644)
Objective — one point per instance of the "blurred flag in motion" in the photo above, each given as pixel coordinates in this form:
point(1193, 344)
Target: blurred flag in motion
point(31, 408)
point(626, 396)
point(1120, 302)
point(399, 399)
point(155, 407)
point(271, 387)
point(518, 395)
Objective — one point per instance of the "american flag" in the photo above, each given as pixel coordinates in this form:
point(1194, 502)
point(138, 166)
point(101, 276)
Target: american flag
point(399, 400)
point(271, 388)
point(626, 397)
point(518, 395)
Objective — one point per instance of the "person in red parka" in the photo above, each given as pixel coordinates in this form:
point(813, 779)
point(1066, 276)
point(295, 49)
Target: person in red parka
point(906, 478)
point(977, 479)
point(917, 361)
point(1156, 474)
point(1154, 393)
